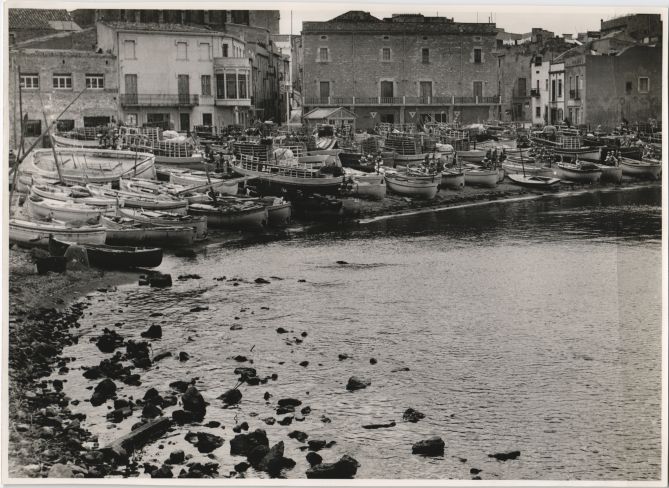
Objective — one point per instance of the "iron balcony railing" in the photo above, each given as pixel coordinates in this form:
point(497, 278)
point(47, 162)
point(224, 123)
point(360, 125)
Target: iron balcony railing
point(158, 100)
point(404, 100)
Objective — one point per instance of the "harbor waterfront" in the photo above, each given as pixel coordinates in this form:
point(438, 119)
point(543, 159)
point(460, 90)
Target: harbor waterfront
point(539, 332)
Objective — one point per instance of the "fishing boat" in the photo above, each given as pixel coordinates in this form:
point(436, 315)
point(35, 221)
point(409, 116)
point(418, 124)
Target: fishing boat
point(201, 182)
point(613, 174)
point(152, 188)
point(415, 186)
point(581, 152)
point(36, 233)
point(64, 140)
point(235, 215)
point(481, 177)
point(473, 155)
point(309, 173)
point(512, 166)
point(517, 152)
point(538, 182)
point(500, 174)
point(406, 148)
point(112, 257)
point(176, 150)
point(645, 169)
point(369, 186)
point(161, 202)
point(279, 211)
point(122, 230)
point(579, 172)
point(76, 166)
point(324, 137)
point(69, 212)
point(77, 194)
point(167, 219)
point(315, 206)
point(452, 179)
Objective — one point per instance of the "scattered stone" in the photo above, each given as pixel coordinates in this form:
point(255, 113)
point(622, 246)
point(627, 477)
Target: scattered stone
point(325, 420)
point(105, 390)
point(184, 356)
point(212, 424)
point(204, 441)
point(180, 386)
point(293, 402)
point(281, 330)
point(193, 401)
point(411, 415)
point(286, 421)
point(314, 458)
point(159, 280)
point(355, 383)
point(316, 445)
point(342, 262)
point(269, 420)
point(240, 427)
point(241, 359)
point(433, 446)
point(231, 397)
point(199, 308)
point(162, 355)
point(343, 356)
point(474, 471)
point(267, 395)
point(379, 426)
point(153, 332)
point(372, 361)
point(109, 341)
point(284, 410)
point(163, 472)
point(176, 457)
point(299, 436)
point(189, 277)
point(346, 468)
point(504, 456)
point(306, 410)
point(261, 281)
point(304, 364)
point(301, 281)
point(151, 411)
point(243, 444)
point(242, 467)
point(156, 314)
point(397, 370)
point(60, 471)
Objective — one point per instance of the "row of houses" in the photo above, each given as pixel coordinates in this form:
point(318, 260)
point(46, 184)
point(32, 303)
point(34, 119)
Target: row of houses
point(413, 68)
point(171, 69)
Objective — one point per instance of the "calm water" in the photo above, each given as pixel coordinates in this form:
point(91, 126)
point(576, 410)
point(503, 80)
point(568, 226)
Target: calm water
point(531, 326)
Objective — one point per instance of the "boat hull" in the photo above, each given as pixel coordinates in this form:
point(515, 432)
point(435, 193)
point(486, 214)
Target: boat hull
point(538, 182)
point(612, 174)
point(486, 178)
point(585, 153)
point(579, 175)
point(147, 234)
point(62, 211)
point(113, 257)
point(279, 215)
point(326, 184)
point(527, 169)
point(641, 169)
point(36, 234)
point(453, 180)
point(473, 155)
point(168, 220)
point(424, 187)
point(62, 141)
point(201, 184)
point(254, 218)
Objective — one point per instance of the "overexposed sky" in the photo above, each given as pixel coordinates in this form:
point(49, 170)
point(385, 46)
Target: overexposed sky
point(563, 20)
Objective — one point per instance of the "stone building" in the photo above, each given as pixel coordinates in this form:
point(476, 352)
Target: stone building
point(607, 89)
point(644, 28)
point(556, 100)
point(539, 93)
point(30, 23)
point(51, 77)
point(403, 69)
point(178, 75)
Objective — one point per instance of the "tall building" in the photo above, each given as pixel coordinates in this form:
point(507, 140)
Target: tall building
point(403, 69)
point(31, 23)
point(644, 28)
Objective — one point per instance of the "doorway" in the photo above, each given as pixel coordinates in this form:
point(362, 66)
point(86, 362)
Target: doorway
point(184, 122)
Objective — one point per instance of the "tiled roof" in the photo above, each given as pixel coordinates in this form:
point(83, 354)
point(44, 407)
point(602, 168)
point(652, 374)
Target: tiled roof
point(84, 40)
point(37, 18)
point(162, 27)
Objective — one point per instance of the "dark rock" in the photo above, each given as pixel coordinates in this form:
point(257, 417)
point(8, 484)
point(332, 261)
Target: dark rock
point(269, 420)
point(474, 471)
point(152, 395)
point(109, 341)
point(246, 373)
point(183, 417)
point(176, 457)
point(231, 397)
point(355, 383)
point(299, 436)
point(192, 400)
point(163, 472)
point(120, 403)
point(240, 427)
point(316, 445)
point(342, 262)
point(156, 314)
point(257, 454)
point(314, 458)
point(267, 395)
point(151, 411)
point(204, 441)
point(236, 327)
point(212, 424)
point(199, 308)
point(180, 386)
point(304, 364)
point(433, 446)
point(476, 477)
point(345, 468)
point(242, 444)
point(119, 414)
point(154, 331)
point(286, 421)
point(261, 281)
point(379, 426)
point(325, 419)
point(284, 410)
point(183, 356)
point(292, 402)
point(57, 385)
point(242, 467)
point(281, 330)
point(189, 277)
point(411, 415)
point(160, 280)
point(504, 456)
point(240, 359)
point(105, 390)
point(162, 355)
point(397, 370)
point(372, 361)
point(306, 410)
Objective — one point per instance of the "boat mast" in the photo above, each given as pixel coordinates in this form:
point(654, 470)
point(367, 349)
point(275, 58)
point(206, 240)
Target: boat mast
point(53, 144)
point(22, 147)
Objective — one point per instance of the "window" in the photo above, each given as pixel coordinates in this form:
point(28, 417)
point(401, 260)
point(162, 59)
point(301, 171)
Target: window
point(30, 81)
point(537, 61)
point(158, 120)
point(385, 54)
point(324, 89)
point(426, 55)
point(204, 51)
point(477, 55)
point(559, 88)
point(522, 87)
point(553, 92)
point(425, 90)
point(96, 121)
point(387, 118)
point(231, 85)
point(62, 81)
point(577, 87)
point(387, 89)
point(206, 85)
point(538, 111)
point(323, 54)
point(442, 117)
point(537, 87)
point(65, 125)
point(182, 50)
point(129, 49)
point(131, 119)
point(547, 84)
point(33, 128)
point(206, 119)
point(95, 82)
point(477, 38)
point(225, 50)
point(478, 89)
point(220, 86)
point(628, 88)
point(644, 84)
point(241, 86)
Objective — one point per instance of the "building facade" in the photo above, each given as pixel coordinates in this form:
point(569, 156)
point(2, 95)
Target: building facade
point(405, 69)
point(177, 76)
point(556, 101)
point(606, 90)
point(644, 28)
point(539, 93)
point(31, 23)
point(514, 78)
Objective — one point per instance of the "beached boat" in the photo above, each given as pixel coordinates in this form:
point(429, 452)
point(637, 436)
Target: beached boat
point(413, 186)
point(452, 179)
point(279, 211)
point(235, 215)
point(315, 206)
point(69, 212)
point(199, 181)
point(77, 194)
point(130, 199)
point(473, 155)
point(62, 140)
point(537, 182)
point(527, 167)
point(175, 150)
point(81, 166)
point(122, 230)
point(646, 169)
point(167, 219)
point(309, 173)
point(112, 257)
point(152, 188)
point(36, 233)
point(579, 172)
point(581, 152)
point(481, 177)
point(500, 174)
point(613, 174)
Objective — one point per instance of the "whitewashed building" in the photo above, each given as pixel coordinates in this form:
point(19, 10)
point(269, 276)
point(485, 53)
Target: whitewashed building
point(556, 103)
point(540, 90)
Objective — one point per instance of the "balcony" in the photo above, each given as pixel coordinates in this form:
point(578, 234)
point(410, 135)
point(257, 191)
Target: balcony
point(232, 102)
point(534, 93)
point(231, 63)
point(158, 100)
point(401, 101)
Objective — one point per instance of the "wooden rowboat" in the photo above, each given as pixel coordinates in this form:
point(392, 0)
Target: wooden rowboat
point(538, 182)
point(167, 219)
point(131, 199)
point(425, 187)
point(34, 233)
point(245, 215)
point(481, 177)
point(580, 172)
point(69, 212)
point(647, 169)
point(199, 181)
point(452, 179)
point(121, 230)
point(112, 257)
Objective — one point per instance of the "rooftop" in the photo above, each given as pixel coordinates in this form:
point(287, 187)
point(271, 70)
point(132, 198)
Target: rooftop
point(158, 27)
point(38, 18)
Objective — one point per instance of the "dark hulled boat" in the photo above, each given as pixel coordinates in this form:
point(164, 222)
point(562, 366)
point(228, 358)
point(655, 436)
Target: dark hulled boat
point(112, 257)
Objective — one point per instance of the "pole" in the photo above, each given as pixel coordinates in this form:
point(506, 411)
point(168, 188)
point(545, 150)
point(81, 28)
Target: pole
point(23, 149)
point(53, 144)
